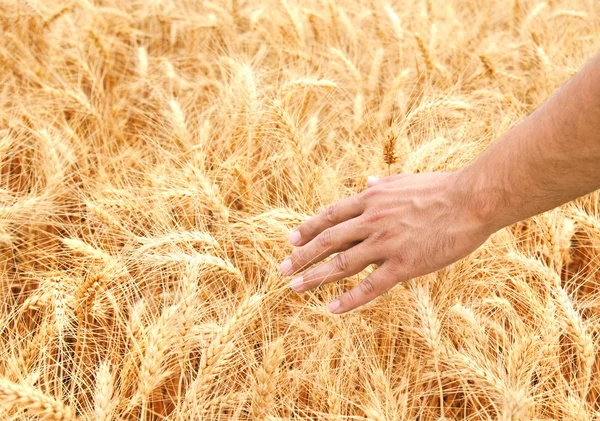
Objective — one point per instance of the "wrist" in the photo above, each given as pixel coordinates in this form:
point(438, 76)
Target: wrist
point(484, 203)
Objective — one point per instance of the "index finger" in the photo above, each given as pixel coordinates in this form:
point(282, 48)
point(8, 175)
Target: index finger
point(341, 211)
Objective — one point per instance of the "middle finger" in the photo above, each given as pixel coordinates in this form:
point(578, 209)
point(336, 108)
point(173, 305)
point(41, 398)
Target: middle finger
point(331, 240)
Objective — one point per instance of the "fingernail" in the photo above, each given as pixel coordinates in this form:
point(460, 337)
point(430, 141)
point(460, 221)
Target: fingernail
point(334, 305)
point(296, 283)
point(286, 266)
point(371, 179)
point(295, 237)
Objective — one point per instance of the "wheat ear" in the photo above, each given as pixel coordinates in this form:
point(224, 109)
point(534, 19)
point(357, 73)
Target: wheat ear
point(87, 250)
point(217, 353)
point(34, 401)
point(103, 398)
point(582, 339)
point(430, 332)
point(389, 151)
point(266, 381)
point(152, 371)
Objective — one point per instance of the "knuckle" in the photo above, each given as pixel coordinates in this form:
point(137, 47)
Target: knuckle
point(307, 227)
point(402, 268)
point(331, 214)
point(367, 287)
point(368, 194)
point(350, 298)
point(379, 237)
point(391, 275)
point(309, 278)
point(326, 238)
point(398, 259)
point(375, 215)
point(357, 199)
point(296, 256)
point(340, 262)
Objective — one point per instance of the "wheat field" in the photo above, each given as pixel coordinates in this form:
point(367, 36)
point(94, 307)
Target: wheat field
point(155, 155)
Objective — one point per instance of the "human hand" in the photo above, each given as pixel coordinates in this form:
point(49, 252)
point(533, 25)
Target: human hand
point(408, 224)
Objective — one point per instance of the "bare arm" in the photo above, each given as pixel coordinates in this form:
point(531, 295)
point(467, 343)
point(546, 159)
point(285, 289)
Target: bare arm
point(412, 225)
point(550, 158)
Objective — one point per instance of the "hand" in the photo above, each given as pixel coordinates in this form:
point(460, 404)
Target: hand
point(408, 224)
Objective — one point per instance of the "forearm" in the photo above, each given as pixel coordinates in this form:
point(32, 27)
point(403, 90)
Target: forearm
point(549, 158)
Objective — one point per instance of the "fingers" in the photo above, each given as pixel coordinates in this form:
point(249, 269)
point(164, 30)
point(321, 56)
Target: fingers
point(329, 241)
point(374, 181)
point(341, 266)
point(381, 280)
point(339, 212)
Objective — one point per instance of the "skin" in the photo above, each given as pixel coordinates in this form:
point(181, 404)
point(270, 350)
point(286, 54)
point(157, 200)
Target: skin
point(414, 224)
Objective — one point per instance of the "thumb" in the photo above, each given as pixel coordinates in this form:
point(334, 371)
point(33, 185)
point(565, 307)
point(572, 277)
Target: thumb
point(374, 180)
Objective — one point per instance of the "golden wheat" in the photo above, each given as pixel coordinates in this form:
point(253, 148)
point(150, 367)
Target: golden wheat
point(154, 157)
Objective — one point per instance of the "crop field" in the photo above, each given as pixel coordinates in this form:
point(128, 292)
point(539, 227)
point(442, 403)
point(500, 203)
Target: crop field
point(156, 154)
